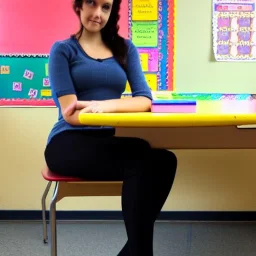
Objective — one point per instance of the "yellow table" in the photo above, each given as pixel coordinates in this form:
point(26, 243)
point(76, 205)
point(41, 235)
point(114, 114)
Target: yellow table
point(181, 131)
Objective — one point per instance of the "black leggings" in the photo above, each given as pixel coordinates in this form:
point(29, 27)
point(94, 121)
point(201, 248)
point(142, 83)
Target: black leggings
point(147, 176)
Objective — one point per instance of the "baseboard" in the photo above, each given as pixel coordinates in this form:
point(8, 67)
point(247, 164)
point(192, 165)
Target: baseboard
point(29, 215)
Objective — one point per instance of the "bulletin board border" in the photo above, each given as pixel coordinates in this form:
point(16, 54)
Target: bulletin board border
point(163, 24)
point(171, 78)
point(23, 55)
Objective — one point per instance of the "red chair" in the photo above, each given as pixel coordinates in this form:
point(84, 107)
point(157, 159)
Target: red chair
point(71, 187)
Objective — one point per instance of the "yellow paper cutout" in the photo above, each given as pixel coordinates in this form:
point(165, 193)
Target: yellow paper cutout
point(144, 61)
point(152, 81)
point(46, 93)
point(127, 87)
point(145, 34)
point(145, 10)
point(5, 70)
point(46, 69)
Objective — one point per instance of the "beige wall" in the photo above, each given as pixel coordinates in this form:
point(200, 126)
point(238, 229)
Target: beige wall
point(206, 180)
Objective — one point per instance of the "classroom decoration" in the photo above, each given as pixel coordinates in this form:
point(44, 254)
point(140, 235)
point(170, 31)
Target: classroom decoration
point(234, 30)
point(151, 29)
point(26, 83)
point(24, 76)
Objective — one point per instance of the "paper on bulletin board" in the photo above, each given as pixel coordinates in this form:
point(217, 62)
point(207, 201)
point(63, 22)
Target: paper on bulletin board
point(145, 10)
point(145, 34)
point(234, 30)
point(152, 59)
point(4, 70)
point(46, 93)
point(151, 81)
point(144, 61)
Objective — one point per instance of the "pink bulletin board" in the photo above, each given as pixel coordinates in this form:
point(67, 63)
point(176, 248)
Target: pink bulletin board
point(29, 27)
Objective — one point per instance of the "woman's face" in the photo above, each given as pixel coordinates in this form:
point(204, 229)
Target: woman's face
point(94, 14)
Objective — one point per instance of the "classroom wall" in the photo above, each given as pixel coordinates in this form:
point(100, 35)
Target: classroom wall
point(197, 70)
point(206, 180)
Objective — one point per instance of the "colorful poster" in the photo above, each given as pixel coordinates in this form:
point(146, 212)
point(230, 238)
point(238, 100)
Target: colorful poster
point(145, 9)
point(234, 30)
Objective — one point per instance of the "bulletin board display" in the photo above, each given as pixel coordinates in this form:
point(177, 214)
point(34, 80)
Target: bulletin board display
point(24, 77)
point(24, 54)
point(151, 29)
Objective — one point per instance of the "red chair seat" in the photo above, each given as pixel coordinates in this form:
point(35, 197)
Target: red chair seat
point(50, 176)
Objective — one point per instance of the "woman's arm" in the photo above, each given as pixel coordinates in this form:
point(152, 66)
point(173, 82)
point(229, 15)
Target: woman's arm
point(62, 84)
point(69, 110)
point(135, 104)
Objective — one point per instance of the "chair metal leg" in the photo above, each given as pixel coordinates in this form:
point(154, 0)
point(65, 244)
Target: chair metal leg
point(44, 210)
point(53, 233)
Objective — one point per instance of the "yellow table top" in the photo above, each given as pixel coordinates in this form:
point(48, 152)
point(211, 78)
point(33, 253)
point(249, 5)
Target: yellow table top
point(147, 119)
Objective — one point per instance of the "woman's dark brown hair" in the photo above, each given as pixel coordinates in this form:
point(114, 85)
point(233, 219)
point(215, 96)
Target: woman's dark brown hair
point(109, 33)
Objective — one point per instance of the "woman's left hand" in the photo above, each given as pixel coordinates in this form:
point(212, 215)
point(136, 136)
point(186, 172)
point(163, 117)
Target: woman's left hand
point(100, 107)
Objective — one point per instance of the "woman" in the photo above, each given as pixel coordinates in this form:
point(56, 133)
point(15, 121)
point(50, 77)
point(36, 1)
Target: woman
point(88, 73)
